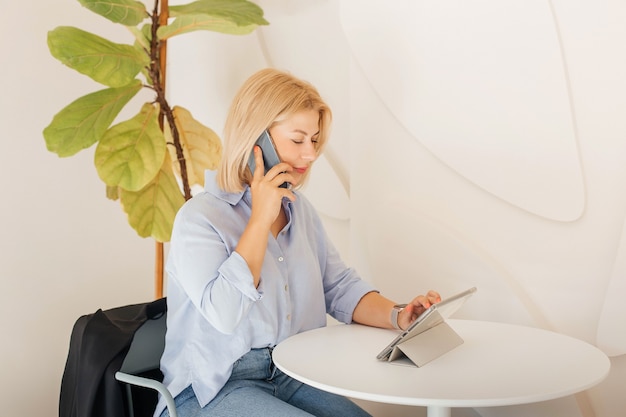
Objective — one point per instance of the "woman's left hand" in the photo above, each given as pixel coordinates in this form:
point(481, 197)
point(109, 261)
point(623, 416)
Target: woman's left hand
point(417, 307)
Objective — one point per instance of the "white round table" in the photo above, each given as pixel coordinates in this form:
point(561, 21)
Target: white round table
point(497, 365)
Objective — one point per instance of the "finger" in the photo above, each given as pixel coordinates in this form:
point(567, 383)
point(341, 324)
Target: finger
point(259, 166)
point(413, 312)
point(279, 168)
point(409, 314)
point(433, 297)
point(421, 300)
point(289, 195)
point(280, 174)
point(281, 178)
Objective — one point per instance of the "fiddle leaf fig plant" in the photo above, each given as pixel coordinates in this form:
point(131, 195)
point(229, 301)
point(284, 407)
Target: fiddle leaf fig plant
point(149, 162)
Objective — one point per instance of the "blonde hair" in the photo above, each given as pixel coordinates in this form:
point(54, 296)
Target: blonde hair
point(268, 97)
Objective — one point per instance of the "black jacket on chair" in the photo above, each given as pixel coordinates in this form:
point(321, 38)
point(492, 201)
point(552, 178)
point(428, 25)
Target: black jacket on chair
point(98, 346)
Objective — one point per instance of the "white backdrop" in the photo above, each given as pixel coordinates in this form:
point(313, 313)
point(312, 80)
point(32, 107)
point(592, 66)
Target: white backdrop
point(475, 143)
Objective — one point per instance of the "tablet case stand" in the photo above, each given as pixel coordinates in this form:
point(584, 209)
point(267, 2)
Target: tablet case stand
point(438, 338)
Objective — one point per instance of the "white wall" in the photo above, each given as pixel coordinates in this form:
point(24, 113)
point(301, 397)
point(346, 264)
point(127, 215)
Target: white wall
point(484, 140)
point(65, 249)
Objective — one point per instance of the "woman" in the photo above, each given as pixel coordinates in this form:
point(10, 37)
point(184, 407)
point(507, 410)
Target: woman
point(250, 265)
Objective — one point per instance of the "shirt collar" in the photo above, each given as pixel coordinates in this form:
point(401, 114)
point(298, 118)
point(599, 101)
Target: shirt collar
point(211, 187)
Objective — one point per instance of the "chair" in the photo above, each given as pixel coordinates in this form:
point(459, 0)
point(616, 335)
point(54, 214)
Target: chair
point(141, 364)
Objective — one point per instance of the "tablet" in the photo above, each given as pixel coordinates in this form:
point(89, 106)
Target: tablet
point(431, 317)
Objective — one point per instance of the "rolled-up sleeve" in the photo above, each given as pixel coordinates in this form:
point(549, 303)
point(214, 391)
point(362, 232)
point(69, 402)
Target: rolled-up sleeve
point(343, 289)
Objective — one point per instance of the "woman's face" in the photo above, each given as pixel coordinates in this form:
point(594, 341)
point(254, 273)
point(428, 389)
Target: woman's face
point(295, 139)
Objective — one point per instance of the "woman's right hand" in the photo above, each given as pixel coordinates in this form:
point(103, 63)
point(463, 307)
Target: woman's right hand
point(267, 195)
point(267, 198)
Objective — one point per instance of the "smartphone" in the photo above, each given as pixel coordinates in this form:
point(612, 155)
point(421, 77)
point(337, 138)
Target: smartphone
point(270, 156)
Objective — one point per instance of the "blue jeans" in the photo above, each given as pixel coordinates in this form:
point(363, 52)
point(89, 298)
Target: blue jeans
point(258, 388)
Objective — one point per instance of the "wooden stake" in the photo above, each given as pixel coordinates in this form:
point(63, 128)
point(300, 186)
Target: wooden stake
point(159, 256)
point(158, 270)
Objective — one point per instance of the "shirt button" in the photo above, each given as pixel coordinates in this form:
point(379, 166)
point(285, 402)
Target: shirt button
point(280, 259)
point(288, 316)
point(286, 287)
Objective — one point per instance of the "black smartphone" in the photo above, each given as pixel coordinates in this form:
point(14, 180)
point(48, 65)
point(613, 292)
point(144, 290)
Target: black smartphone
point(270, 156)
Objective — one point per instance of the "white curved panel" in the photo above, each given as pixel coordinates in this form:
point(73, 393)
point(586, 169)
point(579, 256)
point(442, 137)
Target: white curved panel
point(432, 255)
point(491, 104)
point(294, 42)
point(612, 324)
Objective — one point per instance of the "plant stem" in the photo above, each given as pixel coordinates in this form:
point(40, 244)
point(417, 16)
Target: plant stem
point(158, 60)
point(163, 17)
point(157, 75)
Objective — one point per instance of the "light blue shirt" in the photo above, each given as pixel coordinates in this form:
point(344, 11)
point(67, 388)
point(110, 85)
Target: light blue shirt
point(216, 315)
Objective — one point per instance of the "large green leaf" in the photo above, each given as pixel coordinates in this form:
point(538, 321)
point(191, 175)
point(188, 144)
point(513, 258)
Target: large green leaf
point(235, 17)
point(240, 12)
point(126, 12)
point(186, 24)
point(202, 147)
point(83, 122)
point(130, 154)
point(151, 211)
point(108, 63)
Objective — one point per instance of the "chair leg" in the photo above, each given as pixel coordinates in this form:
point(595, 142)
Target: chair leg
point(129, 397)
